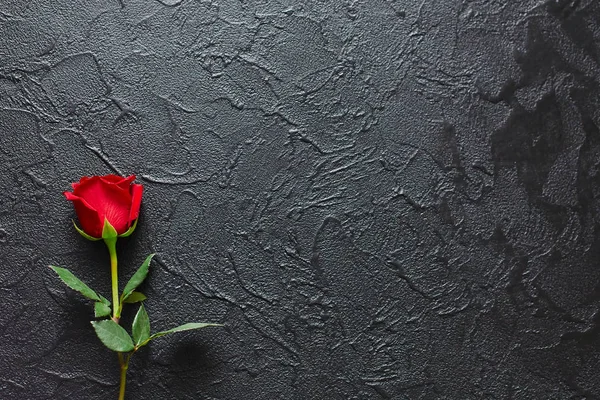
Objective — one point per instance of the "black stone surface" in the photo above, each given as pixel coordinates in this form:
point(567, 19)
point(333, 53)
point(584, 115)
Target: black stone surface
point(380, 199)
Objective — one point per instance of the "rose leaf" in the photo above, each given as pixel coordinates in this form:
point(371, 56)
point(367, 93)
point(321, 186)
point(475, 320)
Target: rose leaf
point(137, 278)
point(135, 297)
point(141, 326)
point(113, 336)
point(101, 310)
point(75, 283)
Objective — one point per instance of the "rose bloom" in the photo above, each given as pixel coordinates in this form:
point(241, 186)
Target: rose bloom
point(110, 196)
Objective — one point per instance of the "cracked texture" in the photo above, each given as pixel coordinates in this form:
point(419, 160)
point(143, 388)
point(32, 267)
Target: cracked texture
point(380, 199)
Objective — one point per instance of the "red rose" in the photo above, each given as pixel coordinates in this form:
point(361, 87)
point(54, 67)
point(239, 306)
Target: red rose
point(109, 197)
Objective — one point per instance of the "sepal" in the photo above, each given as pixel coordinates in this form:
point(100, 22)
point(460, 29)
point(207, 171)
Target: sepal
point(108, 231)
point(85, 235)
point(129, 231)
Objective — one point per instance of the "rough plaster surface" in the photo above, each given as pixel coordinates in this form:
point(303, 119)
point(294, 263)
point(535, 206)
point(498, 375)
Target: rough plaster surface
point(380, 199)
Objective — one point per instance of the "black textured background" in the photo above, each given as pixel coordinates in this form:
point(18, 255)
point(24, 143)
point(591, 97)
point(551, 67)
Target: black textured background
point(380, 199)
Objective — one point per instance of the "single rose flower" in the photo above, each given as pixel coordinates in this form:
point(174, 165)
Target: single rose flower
point(109, 197)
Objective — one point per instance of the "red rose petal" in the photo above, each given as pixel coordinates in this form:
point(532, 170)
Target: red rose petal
point(136, 201)
point(75, 184)
point(111, 178)
point(111, 201)
point(88, 217)
point(121, 182)
point(126, 182)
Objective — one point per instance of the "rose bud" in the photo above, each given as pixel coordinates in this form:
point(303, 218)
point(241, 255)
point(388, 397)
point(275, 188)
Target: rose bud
point(104, 199)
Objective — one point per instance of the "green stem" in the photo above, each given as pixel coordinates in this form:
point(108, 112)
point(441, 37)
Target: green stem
point(124, 367)
point(112, 251)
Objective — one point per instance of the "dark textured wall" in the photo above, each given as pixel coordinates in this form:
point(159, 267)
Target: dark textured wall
point(380, 199)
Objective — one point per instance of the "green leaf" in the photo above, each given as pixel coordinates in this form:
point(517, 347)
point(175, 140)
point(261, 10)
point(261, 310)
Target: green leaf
point(75, 283)
point(104, 300)
point(130, 230)
point(185, 327)
point(85, 235)
point(113, 335)
point(141, 326)
point(137, 278)
point(101, 309)
point(135, 297)
point(108, 231)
